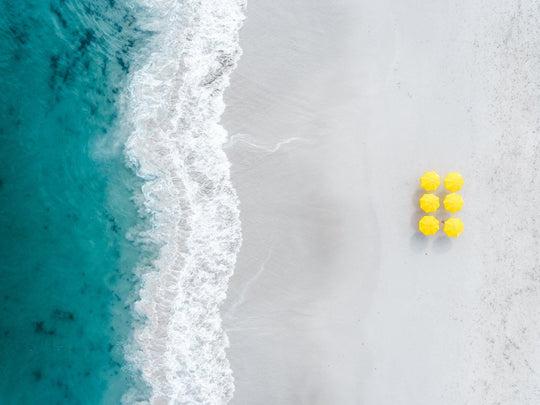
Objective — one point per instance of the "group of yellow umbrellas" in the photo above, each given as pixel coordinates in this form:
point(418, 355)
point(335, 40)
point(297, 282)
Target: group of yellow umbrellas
point(429, 202)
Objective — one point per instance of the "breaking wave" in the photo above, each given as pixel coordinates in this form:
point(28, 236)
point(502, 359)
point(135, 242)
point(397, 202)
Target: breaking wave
point(174, 104)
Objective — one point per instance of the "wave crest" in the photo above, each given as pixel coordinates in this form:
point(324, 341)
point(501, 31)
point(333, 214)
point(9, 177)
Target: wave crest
point(174, 105)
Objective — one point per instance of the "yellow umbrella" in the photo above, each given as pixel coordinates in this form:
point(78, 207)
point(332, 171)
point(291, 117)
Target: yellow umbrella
point(429, 202)
point(430, 181)
point(428, 225)
point(453, 181)
point(453, 227)
point(453, 202)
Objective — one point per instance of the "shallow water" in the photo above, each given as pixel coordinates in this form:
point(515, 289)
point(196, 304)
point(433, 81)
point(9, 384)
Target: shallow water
point(66, 201)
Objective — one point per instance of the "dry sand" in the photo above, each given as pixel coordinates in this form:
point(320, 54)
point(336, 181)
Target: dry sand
point(335, 110)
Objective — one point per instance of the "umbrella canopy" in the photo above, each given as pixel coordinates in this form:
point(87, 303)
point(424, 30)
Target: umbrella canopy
point(453, 227)
point(453, 202)
point(428, 225)
point(430, 181)
point(453, 181)
point(429, 202)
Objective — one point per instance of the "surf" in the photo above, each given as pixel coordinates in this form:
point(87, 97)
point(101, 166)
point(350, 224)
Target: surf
point(173, 106)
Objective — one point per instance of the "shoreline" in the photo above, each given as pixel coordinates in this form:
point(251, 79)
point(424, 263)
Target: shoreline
point(174, 105)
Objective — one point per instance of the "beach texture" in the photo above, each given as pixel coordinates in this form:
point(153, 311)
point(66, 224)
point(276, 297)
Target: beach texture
point(335, 111)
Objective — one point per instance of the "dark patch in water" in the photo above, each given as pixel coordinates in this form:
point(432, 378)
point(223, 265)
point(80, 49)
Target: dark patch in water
point(114, 225)
point(20, 34)
point(86, 40)
point(63, 315)
point(73, 217)
point(129, 19)
point(39, 328)
point(37, 375)
point(104, 65)
point(123, 64)
point(54, 59)
point(91, 107)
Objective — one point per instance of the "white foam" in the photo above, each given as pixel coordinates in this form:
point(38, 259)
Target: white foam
point(174, 105)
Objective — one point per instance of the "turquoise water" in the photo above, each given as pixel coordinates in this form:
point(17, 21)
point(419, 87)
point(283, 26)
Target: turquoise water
point(66, 201)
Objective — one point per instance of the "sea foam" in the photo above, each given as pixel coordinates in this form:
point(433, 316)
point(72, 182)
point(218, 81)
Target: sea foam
point(174, 105)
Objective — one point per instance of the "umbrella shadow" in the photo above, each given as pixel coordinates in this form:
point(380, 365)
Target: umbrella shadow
point(416, 198)
point(419, 242)
point(442, 244)
point(415, 218)
point(418, 213)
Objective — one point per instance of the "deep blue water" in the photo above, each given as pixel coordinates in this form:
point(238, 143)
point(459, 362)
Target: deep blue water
point(66, 201)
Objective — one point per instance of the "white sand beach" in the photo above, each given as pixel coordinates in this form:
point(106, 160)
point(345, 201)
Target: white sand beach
point(334, 112)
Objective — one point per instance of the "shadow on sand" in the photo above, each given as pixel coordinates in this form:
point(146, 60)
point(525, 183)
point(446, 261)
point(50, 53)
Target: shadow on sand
point(438, 243)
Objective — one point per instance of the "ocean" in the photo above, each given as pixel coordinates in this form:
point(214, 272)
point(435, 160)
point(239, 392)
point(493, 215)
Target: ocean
point(119, 224)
